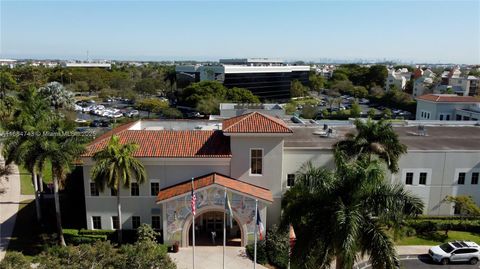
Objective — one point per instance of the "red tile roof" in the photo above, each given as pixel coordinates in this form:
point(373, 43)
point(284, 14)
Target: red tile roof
point(168, 144)
point(255, 122)
point(448, 98)
point(218, 179)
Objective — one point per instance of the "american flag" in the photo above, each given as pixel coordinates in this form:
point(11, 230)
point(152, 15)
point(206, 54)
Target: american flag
point(261, 229)
point(194, 200)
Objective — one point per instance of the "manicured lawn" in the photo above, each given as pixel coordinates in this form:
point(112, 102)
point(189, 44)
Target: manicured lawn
point(26, 184)
point(438, 238)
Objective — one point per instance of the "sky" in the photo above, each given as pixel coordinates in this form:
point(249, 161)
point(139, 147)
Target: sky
point(402, 30)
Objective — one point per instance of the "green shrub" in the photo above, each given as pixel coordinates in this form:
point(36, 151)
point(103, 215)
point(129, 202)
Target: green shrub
point(146, 233)
point(76, 237)
point(422, 225)
point(152, 255)
point(14, 260)
point(261, 252)
point(96, 232)
point(277, 246)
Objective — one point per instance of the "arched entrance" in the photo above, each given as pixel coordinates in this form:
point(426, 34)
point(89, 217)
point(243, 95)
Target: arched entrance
point(209, 221)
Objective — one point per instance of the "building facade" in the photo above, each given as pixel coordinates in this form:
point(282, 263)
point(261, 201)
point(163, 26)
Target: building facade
point(254, 158)
point(268, 79)
point(448, 107)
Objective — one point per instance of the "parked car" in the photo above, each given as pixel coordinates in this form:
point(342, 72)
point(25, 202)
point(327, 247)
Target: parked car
point(457, 251)
point(131, 113)
point(96, 123)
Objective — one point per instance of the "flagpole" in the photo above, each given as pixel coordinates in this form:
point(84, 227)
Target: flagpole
point(193, 228)
point(255, 247)
point(224, 226)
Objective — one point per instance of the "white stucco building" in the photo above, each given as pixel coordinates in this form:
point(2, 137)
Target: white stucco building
point(448, 107)
point(397, 78)
point(255, 157)
point(422, 83)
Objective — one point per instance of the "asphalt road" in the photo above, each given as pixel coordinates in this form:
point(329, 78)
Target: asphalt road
point(424, 261)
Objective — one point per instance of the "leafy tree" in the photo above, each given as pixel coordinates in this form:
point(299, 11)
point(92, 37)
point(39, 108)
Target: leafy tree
point(57, 95)
point(147, 86)
point(317, 82)
point(209, 106)
point(152, 105)
point(80, 86)
point(359, 92)
point(297, 89)
point(116, 167)
point(377, 91)
point(376, 75)
point(356, 110)
point(344, 86)
point(172, 113)
point(339, 75)
point(465, 204)
point(387, 113)
point(309, 111)
point(371, 113)
point(152, 255)
point(195, 92)
point(61, 151)
point(337, 215)
point(372, 139)
point(7, 83)
point(241, 95)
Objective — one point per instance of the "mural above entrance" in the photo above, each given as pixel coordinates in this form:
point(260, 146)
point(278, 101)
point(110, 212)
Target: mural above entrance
point(178, 211)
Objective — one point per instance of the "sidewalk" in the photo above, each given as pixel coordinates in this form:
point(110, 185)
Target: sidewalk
point(412, 250)
point(9, 202)
point(212, 258)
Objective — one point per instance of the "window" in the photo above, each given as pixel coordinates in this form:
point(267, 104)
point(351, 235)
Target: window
point(448, 117)
point(475, 178)
point(135, 222)
point(456, 209)
point(115, 223)
point(93, 189)
point(156, 224)
point(97, 222)
point(154, 188)
point(134, 191)
point(423, 179)
point(256, 156)
point(290, 180)
point(409, 178)
point(461, 178)
point(113, 192)
point(458, 117)
point(441, 117)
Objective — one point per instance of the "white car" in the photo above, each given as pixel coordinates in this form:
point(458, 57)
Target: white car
point(457, 251)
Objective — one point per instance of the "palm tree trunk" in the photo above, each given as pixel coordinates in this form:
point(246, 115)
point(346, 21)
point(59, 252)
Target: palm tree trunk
point(119, 213)
point(338, 263)
point(58, 215)
point(40, 182)
point(37, 200)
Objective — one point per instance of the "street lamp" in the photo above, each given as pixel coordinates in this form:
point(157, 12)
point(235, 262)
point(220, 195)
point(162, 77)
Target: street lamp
point(292, 238)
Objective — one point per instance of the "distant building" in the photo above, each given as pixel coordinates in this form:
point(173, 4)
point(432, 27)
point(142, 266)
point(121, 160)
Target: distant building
point(87, 65)
point(8, 62)
point(325, 70)
point(423, 80)
point(446, 107)
point(449, 74)
point(397, 78)
point(228, 110)
point(266, 78)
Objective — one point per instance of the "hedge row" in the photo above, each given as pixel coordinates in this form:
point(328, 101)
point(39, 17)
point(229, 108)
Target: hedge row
point(422, 226)
point(77, 237)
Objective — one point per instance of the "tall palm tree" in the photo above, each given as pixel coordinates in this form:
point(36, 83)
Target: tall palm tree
point(116, 167)
point(337, 215)
point(372, 138)
point(30, 117)
point(62, 151)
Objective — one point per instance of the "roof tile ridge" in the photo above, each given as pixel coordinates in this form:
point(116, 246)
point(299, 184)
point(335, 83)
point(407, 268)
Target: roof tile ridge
point(243, 117)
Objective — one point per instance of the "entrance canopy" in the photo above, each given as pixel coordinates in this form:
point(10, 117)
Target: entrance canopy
point(205, 181)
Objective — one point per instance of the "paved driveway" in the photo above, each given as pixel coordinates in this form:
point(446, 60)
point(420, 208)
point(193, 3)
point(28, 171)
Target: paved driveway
point(212, 258)
point(423, 261)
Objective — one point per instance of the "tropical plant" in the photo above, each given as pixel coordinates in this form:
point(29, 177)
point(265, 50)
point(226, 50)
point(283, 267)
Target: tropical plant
point(61, 150)
point(7, 83)
point(372, 138)
point(116, 167)
point(337, 215)
point(30, 119)
point(57, 95)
